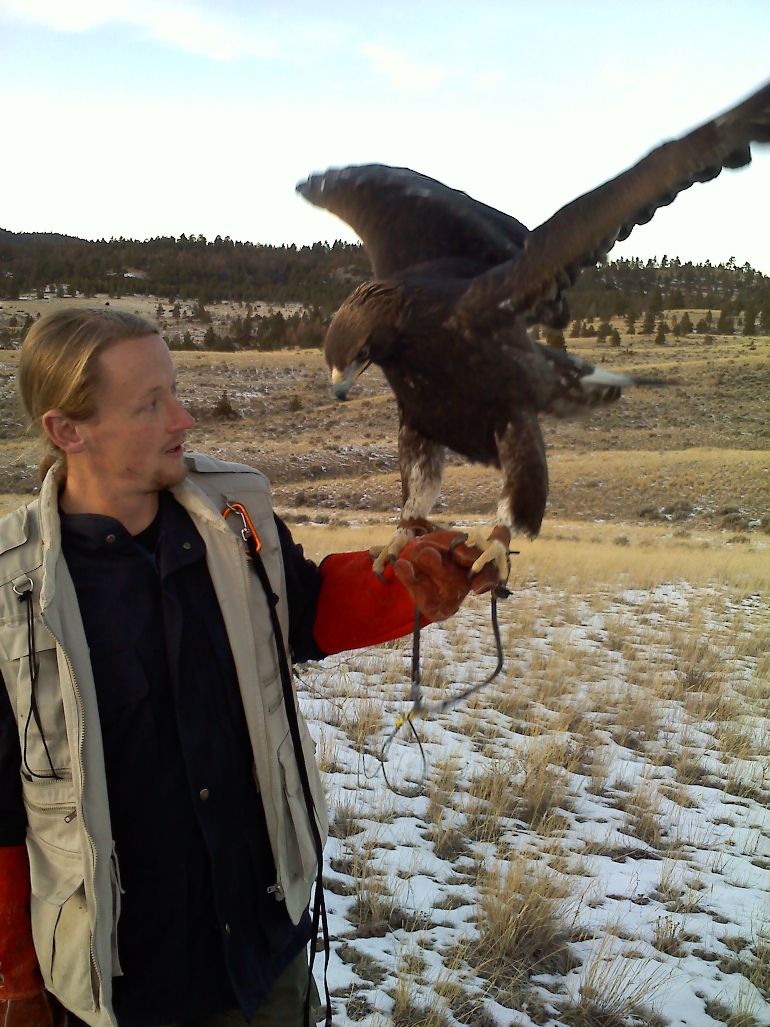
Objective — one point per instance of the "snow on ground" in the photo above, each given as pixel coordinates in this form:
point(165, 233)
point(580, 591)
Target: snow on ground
point(586, 842)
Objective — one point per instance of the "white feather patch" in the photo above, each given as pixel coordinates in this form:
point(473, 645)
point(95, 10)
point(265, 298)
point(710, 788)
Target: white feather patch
point(599, 377)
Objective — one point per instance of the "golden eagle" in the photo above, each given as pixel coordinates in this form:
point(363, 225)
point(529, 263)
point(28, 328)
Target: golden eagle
point(458, 282)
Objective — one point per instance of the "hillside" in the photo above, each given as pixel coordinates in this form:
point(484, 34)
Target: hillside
point(194, 268)
point(689, 457)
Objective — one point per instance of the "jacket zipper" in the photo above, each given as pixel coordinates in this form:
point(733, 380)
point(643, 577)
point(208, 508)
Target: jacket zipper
point(57, 807)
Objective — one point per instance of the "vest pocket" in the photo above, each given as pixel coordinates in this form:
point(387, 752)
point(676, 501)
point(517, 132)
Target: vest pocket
point(301, 854)
point(61, 928)
point(43, 740)
point(53, 820)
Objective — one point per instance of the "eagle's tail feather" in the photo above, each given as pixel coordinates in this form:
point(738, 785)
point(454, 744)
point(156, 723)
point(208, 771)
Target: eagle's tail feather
point(578, 385)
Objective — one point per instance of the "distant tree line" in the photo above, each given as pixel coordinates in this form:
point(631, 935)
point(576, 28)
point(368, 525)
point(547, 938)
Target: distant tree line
point(319, 277)
point(300, 330)
point(639, 291)
point(190, 267)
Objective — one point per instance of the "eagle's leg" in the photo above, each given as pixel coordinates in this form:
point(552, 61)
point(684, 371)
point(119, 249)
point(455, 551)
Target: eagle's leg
point(421, 463)
point(521, 452)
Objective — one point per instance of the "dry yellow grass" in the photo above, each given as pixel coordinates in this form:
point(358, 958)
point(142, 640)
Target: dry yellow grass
point(590, 555)
point(524, 925)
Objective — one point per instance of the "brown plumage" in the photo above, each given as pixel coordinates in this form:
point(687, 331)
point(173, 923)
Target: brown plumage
point(457, 283)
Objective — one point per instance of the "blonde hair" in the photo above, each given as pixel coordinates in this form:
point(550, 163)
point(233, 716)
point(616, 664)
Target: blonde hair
point(59, 364)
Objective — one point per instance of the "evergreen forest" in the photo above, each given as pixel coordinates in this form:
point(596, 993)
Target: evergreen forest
point(318, 277)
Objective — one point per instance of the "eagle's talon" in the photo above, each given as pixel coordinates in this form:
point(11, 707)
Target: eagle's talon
point(459, 540)
point(493, 550)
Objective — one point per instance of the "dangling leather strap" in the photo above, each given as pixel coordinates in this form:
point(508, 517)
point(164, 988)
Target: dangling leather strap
point(253, 546)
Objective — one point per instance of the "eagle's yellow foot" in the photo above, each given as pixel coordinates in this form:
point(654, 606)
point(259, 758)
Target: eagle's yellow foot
point(391, 550)
point(408, 528)
point(494, 549)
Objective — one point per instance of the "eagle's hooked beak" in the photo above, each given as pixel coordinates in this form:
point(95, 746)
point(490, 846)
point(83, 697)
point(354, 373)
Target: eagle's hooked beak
point(343, 380)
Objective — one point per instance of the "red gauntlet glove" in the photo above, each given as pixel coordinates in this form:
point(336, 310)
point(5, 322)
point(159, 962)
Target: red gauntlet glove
point(436, 570)
point(35, 1011)
point(23, 1001)
point(356, 608)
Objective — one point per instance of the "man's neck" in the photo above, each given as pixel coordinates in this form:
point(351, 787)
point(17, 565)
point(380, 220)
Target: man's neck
point(135, 511)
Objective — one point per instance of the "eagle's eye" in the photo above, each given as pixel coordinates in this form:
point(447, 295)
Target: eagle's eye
point(363, 354)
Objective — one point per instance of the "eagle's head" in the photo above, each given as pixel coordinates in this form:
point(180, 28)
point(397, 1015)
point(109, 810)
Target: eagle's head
point(360, 332)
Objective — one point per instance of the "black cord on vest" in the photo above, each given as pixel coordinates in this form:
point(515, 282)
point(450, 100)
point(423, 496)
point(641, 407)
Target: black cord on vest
point(25, 596)
point(319, 905)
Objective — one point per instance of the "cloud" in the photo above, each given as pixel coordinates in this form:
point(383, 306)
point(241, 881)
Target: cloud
point(177, 23)
point(403, 71)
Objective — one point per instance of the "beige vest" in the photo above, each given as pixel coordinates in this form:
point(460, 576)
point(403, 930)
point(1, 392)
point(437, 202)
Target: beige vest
point(73, 865)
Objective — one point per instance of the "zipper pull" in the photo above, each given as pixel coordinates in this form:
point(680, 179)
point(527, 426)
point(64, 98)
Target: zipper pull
point(277, 890)
point(70, 816)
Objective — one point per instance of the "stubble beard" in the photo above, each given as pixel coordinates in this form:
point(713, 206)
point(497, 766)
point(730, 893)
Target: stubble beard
point(167, 478)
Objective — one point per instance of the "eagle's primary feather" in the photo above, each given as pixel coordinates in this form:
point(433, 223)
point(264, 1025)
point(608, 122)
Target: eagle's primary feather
point(458, 282)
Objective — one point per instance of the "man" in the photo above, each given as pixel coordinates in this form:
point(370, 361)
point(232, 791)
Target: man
point(146, 755)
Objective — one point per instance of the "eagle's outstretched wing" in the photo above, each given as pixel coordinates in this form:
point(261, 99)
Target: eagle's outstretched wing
point(582, 233)
point(406, 219)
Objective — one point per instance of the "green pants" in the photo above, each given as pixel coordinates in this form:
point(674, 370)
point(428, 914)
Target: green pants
point(283, 1007)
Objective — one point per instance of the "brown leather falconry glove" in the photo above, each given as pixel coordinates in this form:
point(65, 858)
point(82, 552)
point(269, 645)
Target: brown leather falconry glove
point(436, 570)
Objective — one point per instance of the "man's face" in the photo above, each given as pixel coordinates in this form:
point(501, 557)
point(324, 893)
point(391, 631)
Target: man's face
point(134, 441)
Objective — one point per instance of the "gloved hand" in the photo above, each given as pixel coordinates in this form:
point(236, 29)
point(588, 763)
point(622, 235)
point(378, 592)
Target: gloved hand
point(33, 1011)
point(435, 568)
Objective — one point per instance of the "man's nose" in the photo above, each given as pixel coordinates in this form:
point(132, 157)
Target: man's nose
point(181, 420)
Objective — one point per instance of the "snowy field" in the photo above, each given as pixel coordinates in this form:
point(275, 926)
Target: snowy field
point(585, 843)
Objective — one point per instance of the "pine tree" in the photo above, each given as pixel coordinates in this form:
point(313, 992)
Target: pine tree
point(749, 322)
point(201, 314)
point(554, 337)
point(725, 323)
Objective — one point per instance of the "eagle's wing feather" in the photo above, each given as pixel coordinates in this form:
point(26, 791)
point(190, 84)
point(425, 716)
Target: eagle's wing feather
point(582, 232)
point(406, 219)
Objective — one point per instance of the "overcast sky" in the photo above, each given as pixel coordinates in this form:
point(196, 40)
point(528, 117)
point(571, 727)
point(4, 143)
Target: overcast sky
point(142, 117)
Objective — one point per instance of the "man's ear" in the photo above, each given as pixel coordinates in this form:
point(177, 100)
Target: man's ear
point(63, 431)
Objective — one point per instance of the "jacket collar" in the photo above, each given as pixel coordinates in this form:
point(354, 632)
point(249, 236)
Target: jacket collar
point(50, 529)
